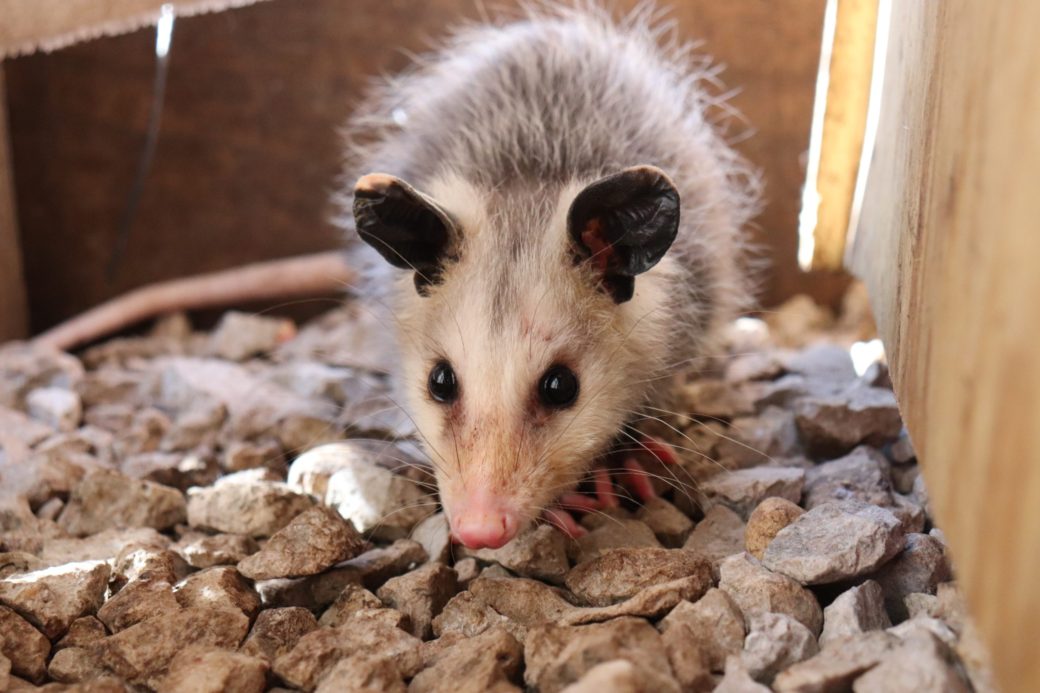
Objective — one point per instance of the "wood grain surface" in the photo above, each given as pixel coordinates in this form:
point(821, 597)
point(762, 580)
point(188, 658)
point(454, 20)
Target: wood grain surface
point(948, 245)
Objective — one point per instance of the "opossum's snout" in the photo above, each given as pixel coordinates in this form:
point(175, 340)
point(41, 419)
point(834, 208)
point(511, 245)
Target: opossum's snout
point(484, 521)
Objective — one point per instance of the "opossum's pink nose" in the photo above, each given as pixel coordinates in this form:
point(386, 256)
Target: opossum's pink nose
point(484, 523)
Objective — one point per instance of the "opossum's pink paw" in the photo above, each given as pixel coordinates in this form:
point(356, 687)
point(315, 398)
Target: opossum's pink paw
point(564, 521)
point(604, 489)
point(636, 480)
point(578, 502)
point(659, 449)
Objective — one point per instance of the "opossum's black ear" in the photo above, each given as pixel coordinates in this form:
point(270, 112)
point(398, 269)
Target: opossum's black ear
point(406, 227)
point(624, 224)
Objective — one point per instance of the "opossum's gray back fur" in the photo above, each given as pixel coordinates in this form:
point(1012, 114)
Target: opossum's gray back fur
point(566, 94)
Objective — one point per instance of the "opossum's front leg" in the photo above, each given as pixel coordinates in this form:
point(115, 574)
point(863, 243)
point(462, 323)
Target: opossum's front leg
point(632, 476)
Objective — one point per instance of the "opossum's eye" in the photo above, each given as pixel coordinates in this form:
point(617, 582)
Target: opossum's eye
point(442, 384)
point(558, 387)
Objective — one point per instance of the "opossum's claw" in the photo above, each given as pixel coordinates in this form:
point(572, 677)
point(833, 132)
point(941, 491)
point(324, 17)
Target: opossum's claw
point(565, 522)
point(659, 449)
point(636, 480)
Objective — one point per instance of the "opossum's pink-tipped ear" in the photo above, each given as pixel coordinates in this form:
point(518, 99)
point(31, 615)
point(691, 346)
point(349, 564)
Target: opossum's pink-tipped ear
point(406, 227)
point(623, 224)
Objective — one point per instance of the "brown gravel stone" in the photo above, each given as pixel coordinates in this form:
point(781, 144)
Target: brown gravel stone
point(837, 664)
point(859, 414)
point(919, 568)
point(204, 551)
point(346, 476)
point(486, 662)
point(52, 598)
point(622, 533)
point(145, 562)
point(863, 474)
point(371, 569)
point(420, 595)
point(718, 535)
point(540, 553)
point(775, 642)
point(277, 631)
point(363, 674)
point(743, 489)
point(369, 632)
point(466, 615)
point(621, 573)
point(103, 546)
point(856, 610)
point(835, 542)
point(650, 602)
point(766, 520)
point(756, 590)
point(753, 440)
point(738, 680)
point(435, 536)
point(253, 508)
point(13, 562)
point(670, 525)
point(204, 670)
point(557, 656)
point(139, 600)
point(142, 653)
point(83, 632)
point(221, 587)
point(23, 645)
point(352, 599)
point(617, 676)
point(74, 665)
point(712, 628)
point(239, 336)
point(467, 570)
point(314, 540)
point(523, 601)
point(921, 662)
point(107, 499)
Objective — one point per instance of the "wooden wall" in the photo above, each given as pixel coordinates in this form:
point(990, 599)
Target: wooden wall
point(948, 243)
point(248, 151)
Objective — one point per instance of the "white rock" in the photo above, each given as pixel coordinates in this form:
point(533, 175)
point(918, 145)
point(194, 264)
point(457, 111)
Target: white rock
point(834, 542)
point(856, 610)
point(348, 477)
point(744, 489)
point(773, 643)
point(58, 408)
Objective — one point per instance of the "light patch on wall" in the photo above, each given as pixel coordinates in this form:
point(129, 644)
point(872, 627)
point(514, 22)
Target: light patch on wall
point(808, 216)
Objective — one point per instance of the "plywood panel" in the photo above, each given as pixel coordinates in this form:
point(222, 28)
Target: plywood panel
point(248, 151)
point(947, 243)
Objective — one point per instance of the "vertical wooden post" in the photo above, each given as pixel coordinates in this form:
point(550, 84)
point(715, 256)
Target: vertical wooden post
point(14, 322)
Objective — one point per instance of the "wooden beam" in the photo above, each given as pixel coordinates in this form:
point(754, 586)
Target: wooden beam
point(52, 24)
point(948, 244)
point(14, 322)
point(839, 123)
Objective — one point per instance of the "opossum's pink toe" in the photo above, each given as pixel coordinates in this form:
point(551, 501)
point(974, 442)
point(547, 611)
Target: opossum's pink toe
point(481, 526)
point(659, 449)
point(579, 502)
point(604, 489)
point(637, 480)
point(565, 522)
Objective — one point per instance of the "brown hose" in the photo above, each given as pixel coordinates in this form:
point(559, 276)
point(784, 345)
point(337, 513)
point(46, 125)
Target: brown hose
point(306, 275)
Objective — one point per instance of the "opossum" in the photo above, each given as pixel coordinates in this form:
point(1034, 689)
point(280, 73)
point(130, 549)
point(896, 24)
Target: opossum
point(554, 225)
point(566, 226)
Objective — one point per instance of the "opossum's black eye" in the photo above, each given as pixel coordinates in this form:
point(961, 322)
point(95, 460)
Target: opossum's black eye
point(442, 384)
point(559, 387)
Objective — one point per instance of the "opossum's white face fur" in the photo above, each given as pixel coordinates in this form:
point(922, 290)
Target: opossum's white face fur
point(521, 360)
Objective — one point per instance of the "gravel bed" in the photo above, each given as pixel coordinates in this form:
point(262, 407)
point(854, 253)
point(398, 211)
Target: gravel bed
point(246, 510)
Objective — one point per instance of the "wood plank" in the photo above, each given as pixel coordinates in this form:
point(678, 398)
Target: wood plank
point(52, 24)
point(948, 245)
point(14, 321)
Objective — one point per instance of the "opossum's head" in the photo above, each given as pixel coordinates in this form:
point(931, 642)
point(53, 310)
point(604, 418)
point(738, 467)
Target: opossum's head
point(521, 330)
